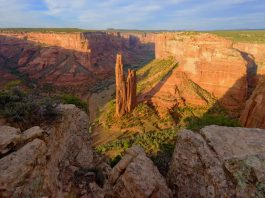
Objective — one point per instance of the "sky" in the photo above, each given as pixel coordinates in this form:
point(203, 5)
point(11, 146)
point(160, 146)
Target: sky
point(134, 14)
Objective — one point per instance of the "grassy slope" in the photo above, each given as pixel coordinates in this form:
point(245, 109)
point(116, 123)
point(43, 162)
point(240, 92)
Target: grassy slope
point(152, 73)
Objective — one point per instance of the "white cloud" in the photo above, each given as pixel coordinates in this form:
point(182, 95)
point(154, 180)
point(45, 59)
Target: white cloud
point(133, 14)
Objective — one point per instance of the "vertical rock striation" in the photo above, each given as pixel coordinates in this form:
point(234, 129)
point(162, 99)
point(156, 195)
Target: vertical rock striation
point(120, 87)
point(131, 90)
point(125, 90)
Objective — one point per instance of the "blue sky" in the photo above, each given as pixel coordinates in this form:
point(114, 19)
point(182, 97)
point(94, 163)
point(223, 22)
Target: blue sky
point(134, 14)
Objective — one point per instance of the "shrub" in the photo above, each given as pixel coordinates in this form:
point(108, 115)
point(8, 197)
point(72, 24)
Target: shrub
point(27, 110)
point(71, 99)
point(12, 84)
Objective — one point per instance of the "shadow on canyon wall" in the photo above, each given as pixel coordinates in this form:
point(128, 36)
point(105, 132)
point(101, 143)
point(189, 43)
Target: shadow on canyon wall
point(61, 67)
point(227, 110)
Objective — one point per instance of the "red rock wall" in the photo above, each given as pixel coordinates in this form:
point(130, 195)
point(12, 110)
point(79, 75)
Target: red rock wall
point(257, 51)
point(208, 68)
point(71, 59)
point(125, 90)
point(253, 115)
point(120, 88)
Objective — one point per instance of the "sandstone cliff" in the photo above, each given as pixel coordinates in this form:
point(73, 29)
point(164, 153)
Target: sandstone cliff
point(209, 69)
point(218, 162)
point(257, 51)
point(253, 114)
point(71, 59)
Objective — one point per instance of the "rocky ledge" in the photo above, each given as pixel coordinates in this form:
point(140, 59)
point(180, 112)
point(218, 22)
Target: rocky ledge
point(219, 162)
point(58, 161)
point(38, 162)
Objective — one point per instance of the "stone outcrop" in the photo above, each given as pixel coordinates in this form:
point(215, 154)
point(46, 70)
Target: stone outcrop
point(209, 69)
point(136, 176)
point(218, 162)
point(125, 90)
point(40, 162)
point(131, 90)
point(22, 167)
point(11, 137)
point(71, 59)
point(253, 115)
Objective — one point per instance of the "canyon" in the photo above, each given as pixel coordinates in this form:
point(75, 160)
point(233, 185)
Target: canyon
point(142, 149)
point(71, 59)
point(210, 68)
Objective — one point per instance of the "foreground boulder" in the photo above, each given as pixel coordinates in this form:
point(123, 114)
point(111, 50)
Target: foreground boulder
point(136, 176)
point(219, 162)
point(45, 163)
point(11, 137)
point(22, 168)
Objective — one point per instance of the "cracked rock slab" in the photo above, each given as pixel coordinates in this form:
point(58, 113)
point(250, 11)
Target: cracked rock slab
point(218, 162)
point(136, 176)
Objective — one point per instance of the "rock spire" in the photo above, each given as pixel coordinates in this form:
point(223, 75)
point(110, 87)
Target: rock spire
point(125, 89)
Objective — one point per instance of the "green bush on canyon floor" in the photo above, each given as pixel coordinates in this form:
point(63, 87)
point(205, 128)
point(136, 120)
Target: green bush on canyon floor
point(195, 118)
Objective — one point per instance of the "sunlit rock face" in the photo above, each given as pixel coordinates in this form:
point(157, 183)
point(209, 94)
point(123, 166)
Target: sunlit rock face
point(257, 51)
point(125, 89)
point(71, 59)
point(218, 162)
point(209, 68)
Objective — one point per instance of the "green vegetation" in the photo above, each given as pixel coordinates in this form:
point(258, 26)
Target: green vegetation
point(12, 84)
point(152, 141)
point(159, 145)
point(23, 78)
point(142, 119)
point(249, 36)
point(157, 133)
point(195, 118)
point(154, 72)
point(27, 109)
point(71, 99)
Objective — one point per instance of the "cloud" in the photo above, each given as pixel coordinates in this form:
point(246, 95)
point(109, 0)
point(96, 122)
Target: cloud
point(132, 14)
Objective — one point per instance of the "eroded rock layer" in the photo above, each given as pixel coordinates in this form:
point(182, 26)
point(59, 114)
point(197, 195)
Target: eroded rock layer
point(71, 59)
point(218, 162)
point(209, 68)
point(125, 89)
point(253, 115)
